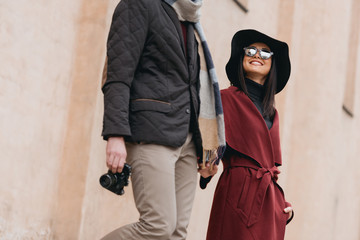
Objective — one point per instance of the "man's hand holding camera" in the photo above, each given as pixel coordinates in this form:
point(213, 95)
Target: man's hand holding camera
point(115, 154)
point(119, 172)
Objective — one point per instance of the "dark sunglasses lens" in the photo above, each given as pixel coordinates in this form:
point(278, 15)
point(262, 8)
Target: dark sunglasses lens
point(250, 51)
point(264, 54)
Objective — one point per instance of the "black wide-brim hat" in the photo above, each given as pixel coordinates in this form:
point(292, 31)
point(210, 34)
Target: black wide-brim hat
point(244, 38)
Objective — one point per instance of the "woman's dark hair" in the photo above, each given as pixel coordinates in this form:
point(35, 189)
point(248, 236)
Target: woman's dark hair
point(269, 85)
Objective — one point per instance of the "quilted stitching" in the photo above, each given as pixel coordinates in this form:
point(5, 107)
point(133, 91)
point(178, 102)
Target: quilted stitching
point(146, 61)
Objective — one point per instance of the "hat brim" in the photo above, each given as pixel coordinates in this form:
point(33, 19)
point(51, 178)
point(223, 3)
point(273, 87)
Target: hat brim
point(244, 38)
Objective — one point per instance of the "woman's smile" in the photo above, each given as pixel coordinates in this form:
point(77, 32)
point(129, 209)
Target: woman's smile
point(255, 67)
point(256, 62)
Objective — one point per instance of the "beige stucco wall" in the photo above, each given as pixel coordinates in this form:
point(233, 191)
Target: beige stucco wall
point(51, 152)
point(36, 56)
point(321, 140)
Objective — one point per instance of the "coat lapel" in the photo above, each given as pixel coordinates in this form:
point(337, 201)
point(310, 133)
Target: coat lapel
point(275, 139)
point(173, 16)
point(246, 130)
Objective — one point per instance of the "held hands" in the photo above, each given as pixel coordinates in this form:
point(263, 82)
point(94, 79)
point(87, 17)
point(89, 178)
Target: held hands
point(207, 170)
point(115, 154)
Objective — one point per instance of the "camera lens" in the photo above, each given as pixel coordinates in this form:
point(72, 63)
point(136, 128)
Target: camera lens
point(106, 180)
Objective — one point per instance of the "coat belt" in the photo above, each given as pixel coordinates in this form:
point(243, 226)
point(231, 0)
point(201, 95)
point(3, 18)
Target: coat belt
point(266, 176)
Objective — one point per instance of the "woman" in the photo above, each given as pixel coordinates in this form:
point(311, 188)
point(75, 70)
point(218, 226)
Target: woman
point(248, 202)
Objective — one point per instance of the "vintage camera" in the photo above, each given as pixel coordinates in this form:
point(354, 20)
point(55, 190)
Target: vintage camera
point(115, 182)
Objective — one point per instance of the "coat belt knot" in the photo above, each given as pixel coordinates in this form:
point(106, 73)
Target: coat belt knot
point(274, 172)
point(266, 176)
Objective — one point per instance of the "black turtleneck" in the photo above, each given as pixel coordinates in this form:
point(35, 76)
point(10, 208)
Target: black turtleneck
point(256, 93)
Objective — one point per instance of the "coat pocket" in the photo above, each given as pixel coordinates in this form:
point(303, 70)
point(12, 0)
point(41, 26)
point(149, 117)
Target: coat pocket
point(244, 193)
point(240, 193)
point(150, 105)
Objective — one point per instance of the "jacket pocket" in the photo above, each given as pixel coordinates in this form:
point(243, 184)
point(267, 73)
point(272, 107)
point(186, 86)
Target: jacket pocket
point(145, 104)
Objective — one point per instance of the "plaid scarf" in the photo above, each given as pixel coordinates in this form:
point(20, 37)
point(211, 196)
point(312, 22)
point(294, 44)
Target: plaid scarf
point(211, 117)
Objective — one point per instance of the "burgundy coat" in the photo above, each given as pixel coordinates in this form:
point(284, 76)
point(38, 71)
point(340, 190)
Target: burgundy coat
point(248, 203)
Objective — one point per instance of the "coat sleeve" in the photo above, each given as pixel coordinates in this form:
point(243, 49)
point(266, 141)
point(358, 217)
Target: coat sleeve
point(125, 44)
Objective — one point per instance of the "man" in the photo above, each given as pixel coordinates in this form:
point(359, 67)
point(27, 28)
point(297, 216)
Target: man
point(151, 98)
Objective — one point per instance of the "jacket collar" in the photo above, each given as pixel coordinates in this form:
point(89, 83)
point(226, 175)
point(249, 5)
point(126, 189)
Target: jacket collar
point(174, 18)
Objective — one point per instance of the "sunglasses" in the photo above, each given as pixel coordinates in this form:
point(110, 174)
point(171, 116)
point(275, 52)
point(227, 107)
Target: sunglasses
point(263, 53)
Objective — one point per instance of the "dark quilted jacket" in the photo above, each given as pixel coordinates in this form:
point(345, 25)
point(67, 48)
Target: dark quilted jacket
point(152, 85)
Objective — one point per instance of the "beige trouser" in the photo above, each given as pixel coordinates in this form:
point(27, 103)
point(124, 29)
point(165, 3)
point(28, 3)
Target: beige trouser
point(164, 182)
